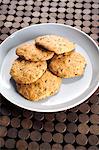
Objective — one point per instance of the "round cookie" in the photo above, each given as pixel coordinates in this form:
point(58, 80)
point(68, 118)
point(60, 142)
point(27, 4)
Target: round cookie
point(47, 85)
point(55, 43)
point(30, 52)
point(26, 72)
point(68, 65)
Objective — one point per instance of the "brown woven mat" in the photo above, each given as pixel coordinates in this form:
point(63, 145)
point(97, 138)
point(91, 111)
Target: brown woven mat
point(75, 129)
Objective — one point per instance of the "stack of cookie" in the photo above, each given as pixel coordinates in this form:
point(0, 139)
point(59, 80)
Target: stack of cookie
point(41, 65)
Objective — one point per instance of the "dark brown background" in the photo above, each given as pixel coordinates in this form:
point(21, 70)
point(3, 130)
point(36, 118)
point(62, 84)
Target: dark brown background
point(77, 128)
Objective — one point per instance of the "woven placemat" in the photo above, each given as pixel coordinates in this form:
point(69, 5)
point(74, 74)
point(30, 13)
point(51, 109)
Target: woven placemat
point(74, 129)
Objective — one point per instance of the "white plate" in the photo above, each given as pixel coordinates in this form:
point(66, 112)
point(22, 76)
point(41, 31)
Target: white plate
point(73, 91)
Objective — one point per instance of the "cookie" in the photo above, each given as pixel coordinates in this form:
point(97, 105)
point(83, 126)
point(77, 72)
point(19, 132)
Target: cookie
point(47, 85)
point(26, 72)
point(55, 43)
point(68, 65)
point(30, 52)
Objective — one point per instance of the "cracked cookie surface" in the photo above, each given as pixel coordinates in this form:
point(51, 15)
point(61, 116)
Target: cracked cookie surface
point(29, 51)
point(55, 43)
point(68, 65)
point(26, 72)
point(47, 85)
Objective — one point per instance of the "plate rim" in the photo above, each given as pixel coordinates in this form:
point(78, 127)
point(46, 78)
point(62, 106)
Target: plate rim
point(64, 107)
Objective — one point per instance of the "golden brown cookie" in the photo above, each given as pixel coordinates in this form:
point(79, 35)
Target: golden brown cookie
point(30, 52)
point(68, 65)
point(55, 43)
point(26, 72)
point(47, 85)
